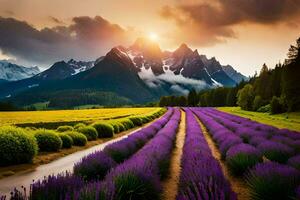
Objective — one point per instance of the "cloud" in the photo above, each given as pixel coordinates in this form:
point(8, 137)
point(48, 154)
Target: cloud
point(56, 20)
point(179, 83)
point(209, 22)
point(85, 38)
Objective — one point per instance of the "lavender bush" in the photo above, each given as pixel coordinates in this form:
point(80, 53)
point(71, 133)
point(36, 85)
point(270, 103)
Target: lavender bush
point(276, 151)
point(294, 162)
point(94, 166)
point(273, 181)
point(242, 157)
point(55, 187)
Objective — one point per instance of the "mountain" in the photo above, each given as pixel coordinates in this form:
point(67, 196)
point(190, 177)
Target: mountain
point(182, 69)
point(13, 72)
point(62, 69)
point(233, 74)
point(138, 74)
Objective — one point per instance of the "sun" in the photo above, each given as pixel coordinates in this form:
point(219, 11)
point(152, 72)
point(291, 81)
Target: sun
point(153, 36)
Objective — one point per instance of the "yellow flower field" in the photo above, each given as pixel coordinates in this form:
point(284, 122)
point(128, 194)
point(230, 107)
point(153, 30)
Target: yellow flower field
point(88, 115)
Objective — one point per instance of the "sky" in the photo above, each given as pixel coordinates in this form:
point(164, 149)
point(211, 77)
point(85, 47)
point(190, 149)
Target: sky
point(242, 33)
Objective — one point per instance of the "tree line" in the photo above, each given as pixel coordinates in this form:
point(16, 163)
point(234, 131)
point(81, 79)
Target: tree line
point(276, 90)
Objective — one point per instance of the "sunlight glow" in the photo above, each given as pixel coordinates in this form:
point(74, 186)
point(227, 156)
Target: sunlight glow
point(153, 36)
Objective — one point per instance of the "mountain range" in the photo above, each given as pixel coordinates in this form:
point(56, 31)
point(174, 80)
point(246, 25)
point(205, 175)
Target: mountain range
point(13, 72)
point(140, 73)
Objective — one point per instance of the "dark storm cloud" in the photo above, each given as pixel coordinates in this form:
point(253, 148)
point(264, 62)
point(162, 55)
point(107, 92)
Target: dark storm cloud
point(215, 19)
point(85, 38)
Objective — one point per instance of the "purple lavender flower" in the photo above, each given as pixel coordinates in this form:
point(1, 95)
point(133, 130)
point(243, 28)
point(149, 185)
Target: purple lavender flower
point(55, 187)
point(294, 162)
point(242, 157)
point(273, 181)
point(94, 166)
point(276, 151)
point(229, 142)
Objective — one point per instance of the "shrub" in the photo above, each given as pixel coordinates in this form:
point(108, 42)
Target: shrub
point(294, 162)
point(275, 151)
point(227, 143)
point(145, 119)
point(94, 190)
point(265, 109)
point(272, 181)
point(104, 130)
point(94, 166)
point(67, 141)
point(79, 125)
point(64, 128)
point(139, 185)
point(128, 124)
point(115, 126)
point(121, 127)
point(89, 131)
point(55, 187)
point(48, 140)
point(137, 121)
point(16, 146)
point(242, 157)
point(79, 139)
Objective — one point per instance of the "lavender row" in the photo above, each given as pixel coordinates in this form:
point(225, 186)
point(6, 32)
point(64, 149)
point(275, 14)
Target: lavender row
point(201, 175)
point(139, 176)
point(268, 180)
point(96, 165)
point(269, 140)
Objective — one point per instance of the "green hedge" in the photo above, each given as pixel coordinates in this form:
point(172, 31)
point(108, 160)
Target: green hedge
point(104, 130)
point(79, 125)
point(127, 123)
point(79, 139)
point(66, 139)
point(16, 146)
point(48, 140)
point(137, 121)
point(89, 131)
point(65, 128)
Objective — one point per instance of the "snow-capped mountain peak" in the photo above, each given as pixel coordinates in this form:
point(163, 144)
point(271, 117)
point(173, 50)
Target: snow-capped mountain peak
point(13, 72)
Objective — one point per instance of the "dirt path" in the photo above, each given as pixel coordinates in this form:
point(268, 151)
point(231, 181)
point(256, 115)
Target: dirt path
point(170, 185)
point(237, 184)
point(63, 164)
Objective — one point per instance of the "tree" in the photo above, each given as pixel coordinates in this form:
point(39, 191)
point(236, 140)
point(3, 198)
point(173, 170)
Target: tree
point(291, 78)
point(257, 103)
point(245, 97)
point(276, 107)
point(192, 98)
point(293, 54)
point(182, 101)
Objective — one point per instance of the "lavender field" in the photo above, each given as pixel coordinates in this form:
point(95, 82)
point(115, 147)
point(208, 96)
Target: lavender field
point(224, 157)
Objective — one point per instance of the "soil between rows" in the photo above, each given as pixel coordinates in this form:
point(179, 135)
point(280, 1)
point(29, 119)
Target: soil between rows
point(170, 185)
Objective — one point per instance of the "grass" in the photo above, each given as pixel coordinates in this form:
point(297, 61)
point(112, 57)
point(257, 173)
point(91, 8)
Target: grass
point(39, 106)
point(285, 120)
point(89, 115)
